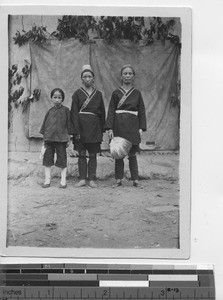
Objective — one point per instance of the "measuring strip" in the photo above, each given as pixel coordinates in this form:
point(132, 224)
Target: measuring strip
point(91, 281)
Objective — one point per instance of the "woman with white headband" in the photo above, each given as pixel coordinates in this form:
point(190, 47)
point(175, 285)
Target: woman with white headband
point(88, 118)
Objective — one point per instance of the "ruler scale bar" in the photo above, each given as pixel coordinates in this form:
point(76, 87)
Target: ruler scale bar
point(123, 277)
point(74, 271)
point(47, 271)
point(26, 277)
point(123, 283)
point(54, 271)
point(173, 277)
point(105, 281)
point(51, 283)
point(95, 271)
point(111, 293)
point(174, 283)
point(73, 277)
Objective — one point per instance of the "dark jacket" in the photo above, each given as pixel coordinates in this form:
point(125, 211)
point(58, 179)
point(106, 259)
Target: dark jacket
point(127, 125)
point(56, 126)
point(90, 123)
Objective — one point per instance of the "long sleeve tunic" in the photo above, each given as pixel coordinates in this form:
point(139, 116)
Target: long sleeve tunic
point(126, 124)
point(56, 126)
point(88, 122)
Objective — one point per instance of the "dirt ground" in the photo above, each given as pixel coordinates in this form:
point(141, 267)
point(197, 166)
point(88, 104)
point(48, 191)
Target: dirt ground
point(104, 217)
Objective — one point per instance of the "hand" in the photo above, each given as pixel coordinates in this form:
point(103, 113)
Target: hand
point(140, 133)
point(68, 143)
point(110, 134)
point(77, 137)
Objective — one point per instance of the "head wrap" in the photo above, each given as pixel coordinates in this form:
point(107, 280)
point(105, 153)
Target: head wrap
point(128, 66)
point(87, 68)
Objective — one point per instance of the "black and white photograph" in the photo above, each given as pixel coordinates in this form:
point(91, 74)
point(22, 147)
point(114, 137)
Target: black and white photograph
point(98, 132)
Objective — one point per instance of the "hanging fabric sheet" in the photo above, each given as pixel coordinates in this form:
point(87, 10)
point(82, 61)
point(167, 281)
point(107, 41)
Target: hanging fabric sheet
point(156, 67)
point(59, 64)
point(54, 64)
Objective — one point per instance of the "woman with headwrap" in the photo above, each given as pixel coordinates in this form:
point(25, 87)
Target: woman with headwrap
point(127, 119)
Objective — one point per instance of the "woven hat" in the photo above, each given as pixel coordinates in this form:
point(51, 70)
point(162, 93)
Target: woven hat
point(87, 68)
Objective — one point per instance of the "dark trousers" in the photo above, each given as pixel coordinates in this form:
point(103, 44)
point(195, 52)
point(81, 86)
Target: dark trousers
point(60, 149)
point(87, 168)
point(133, 166)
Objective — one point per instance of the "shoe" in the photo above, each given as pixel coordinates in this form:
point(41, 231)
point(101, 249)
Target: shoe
point(92, 184)
point(81, 183)
point(117, 184)
point(62, 186)
point(46, 185)
point(137, 185)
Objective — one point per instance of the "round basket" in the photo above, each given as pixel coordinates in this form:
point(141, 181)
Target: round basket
point(119, 147)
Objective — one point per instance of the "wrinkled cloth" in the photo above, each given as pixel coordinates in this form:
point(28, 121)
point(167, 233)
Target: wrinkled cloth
point(55, 64)
point(59, 64)
point(157, 78)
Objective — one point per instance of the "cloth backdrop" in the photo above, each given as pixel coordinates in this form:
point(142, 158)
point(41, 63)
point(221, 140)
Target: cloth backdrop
point(59, 64)
point(54, 64)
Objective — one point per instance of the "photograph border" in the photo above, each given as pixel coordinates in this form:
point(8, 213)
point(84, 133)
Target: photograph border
point(185, 14)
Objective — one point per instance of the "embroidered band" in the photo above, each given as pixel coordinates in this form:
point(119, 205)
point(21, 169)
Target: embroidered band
point(125, 96)
point(89, 97)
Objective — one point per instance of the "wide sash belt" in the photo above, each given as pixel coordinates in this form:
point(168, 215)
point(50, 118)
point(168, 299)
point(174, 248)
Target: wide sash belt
point(122, 111)
point(87, 113)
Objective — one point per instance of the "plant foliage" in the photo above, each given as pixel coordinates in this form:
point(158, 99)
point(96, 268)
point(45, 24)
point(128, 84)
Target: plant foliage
point(36, 34)
point(35, 95)
point(105, 27)
point(14, 80)
point(75, 27)
point(15, 90)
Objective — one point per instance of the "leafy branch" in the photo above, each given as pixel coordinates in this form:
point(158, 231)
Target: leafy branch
point(134, 29)
point(36, 34)
point(106, 27)
point(15, 90)
point(111, 28)
point(75, 27)
point(25, 102)
point(15, 78)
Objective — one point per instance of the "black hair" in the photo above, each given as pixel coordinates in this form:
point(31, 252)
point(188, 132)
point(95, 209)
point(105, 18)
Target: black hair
point(60, 91)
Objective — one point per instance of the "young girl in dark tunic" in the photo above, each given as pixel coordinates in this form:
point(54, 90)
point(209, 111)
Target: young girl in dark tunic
point(127, 119)
point(88, 118)
point(56, 132)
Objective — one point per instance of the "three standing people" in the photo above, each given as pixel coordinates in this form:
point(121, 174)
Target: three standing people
point(86, 122)
point(127, 119)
